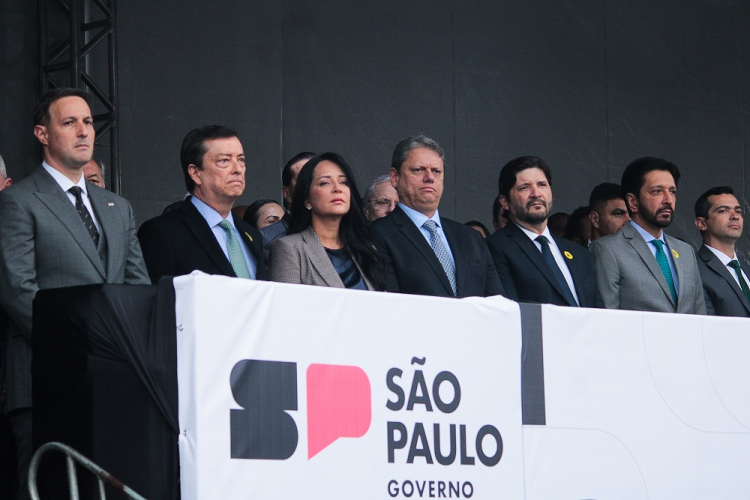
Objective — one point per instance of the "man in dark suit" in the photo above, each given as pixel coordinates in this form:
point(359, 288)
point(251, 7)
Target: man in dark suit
point(58, 231)
point(533, 264)
point(426, 254)
point(718, 216)
point(201, 234)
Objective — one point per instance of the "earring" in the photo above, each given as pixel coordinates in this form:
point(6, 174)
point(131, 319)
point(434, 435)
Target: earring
point(308, 206)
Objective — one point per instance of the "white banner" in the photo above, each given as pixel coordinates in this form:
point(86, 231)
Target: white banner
point(290, 392)
point(641, 405)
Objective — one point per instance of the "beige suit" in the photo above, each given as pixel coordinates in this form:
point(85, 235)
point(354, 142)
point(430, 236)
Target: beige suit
point(301, 258)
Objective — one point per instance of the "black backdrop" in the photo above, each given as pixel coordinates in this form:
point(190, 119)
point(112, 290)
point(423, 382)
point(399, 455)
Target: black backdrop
point(587, 85)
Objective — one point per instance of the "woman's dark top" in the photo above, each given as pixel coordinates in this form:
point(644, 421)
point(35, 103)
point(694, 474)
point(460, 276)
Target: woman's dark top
point(346, 269)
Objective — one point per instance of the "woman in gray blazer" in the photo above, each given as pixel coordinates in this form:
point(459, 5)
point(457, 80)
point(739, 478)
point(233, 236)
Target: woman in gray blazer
point(328, 242)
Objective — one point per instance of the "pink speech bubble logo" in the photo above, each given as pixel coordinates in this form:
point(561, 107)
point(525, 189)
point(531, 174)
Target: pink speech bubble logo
point(338, 405)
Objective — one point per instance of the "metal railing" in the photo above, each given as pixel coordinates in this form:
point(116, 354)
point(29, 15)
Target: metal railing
point(71, 457)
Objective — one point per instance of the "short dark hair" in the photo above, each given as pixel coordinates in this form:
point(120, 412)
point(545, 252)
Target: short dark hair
point(194, 148)
point(407, 145)
point(252, 212)
point(702, 205)
point(476, 223)
point(603, 193)
point(286, 173)
point(508, 174)
point(573, 227)
point(634, 176)
point(41, 110)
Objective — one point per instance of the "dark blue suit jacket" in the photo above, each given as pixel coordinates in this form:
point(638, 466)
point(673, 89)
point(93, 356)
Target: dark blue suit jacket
point(412, 267)
point(527, 277)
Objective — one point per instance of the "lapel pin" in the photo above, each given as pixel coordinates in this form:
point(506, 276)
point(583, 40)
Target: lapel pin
point(568, 255)
point(249, 237)
point(110, 204)
point(675, 254)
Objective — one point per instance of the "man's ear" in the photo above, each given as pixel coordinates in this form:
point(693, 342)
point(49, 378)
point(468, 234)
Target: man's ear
point(632, 202)
point(700, 223)
point(503, 201)
point(394, 177)
point(40, 131)
point(594, 218)
point(193, 173)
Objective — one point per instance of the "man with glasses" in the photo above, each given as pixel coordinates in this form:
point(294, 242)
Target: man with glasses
point(380, 198)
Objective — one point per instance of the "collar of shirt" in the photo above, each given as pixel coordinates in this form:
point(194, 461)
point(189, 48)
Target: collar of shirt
point(721, 255)
point(533, 236)
point(212, 216)
point(63, 181)
point(418, 218)
point(647, 236)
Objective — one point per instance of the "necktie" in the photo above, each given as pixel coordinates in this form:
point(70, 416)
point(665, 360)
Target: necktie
point(661, 259)
point(552, 263)
point(236, 257)
point(743, 284)
point(441, 253)
point(88, 222)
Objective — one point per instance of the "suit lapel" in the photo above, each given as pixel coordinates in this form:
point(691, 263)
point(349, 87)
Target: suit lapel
point(254, 245)
point(50, 193)
point(575, 270)
point(202, 232)
point(716, 266)
point(414, 235)
point(108, 223)
point(534, 255)
point(641, 247)
point(319, 258)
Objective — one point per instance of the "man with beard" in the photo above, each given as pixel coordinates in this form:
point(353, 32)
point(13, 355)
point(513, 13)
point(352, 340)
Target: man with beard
point(533, 264)
point(640, 267)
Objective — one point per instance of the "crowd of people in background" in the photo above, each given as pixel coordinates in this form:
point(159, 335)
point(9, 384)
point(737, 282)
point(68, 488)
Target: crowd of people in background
point(611, 253)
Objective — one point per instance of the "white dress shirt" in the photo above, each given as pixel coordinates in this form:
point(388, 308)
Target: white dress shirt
point(66, 184)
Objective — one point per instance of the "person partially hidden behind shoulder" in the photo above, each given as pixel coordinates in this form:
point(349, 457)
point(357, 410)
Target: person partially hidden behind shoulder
point(201, 234)
point(328, 241)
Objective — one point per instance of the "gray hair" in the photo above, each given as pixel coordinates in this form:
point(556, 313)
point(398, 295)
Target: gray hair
point(101, 166)
point(3, 172)
point(405, 146)
point(378, 180)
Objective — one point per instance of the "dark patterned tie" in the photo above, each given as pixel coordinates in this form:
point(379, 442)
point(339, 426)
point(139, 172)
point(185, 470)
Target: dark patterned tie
point(661, 259)
point(552, 263)
point(88, 222)
point(436, 242)
point(743, 284)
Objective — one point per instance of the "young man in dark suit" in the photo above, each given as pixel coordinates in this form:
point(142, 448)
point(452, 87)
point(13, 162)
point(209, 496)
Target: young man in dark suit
point(201, 234)
point(533, 264)
point(718, 216)
point(427, 254)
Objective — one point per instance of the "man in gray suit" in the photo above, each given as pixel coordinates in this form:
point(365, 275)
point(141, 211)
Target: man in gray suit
point(640, 267)
point(58, 231)
point(718, 216)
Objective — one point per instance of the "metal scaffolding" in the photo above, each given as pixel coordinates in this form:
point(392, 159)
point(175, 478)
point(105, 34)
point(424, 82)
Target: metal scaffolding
point(70, 31)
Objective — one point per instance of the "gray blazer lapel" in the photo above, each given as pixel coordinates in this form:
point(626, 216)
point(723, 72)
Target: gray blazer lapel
point(319, 258)
point(50, 193)
point(640, 246)
point(111, 225)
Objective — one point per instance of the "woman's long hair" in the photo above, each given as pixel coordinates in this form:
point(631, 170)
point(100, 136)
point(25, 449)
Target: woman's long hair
point(353, 229)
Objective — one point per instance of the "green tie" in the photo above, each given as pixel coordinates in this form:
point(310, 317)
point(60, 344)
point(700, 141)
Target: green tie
point(661, 259)
point(236, 257)
point(743, 284)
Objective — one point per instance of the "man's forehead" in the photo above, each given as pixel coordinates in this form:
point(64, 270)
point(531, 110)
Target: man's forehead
point(723, 200)
point(532, 174)
point(423, 157)
point(70, 106)
point(224, 145)
point(659, 178)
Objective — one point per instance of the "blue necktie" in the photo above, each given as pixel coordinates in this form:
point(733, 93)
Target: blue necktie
point(661, 259)
point(436, 242)
point(236, 257)
point(552, 263)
